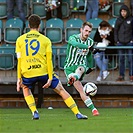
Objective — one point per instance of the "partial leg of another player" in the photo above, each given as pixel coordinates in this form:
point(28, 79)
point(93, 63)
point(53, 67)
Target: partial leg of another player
point(87, 100)
point(69, 101)
point(79, 87)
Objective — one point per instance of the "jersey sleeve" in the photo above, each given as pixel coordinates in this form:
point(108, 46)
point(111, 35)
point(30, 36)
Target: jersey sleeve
point(17, 46)
point(73, 42)
point(90, 60)
point(18, 53)
point(49, 60)
point(48, 46)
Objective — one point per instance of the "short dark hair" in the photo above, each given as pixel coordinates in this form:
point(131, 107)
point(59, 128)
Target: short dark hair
point(87, 24)
point(104, 24)
point(34, 21)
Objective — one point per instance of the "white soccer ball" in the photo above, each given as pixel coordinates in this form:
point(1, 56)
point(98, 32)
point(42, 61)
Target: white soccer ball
point(90, 89)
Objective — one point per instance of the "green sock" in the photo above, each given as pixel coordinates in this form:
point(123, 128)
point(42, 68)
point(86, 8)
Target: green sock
point(89, 104)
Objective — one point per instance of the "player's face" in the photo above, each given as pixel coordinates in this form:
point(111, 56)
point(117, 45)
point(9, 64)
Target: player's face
point(85, 32)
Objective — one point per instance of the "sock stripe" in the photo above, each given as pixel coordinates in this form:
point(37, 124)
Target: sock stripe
point(88, 102)
point(32, 104)
point(72, 106)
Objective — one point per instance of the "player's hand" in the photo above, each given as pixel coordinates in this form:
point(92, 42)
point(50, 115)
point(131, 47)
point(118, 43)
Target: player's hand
point(47, 84)
point(89, 70)
point(90, 48)
point(95, 51)
point(19, 82)
point(103, 36)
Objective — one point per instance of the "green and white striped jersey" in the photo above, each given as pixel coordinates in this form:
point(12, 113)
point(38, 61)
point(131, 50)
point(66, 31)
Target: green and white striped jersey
point(77, 51)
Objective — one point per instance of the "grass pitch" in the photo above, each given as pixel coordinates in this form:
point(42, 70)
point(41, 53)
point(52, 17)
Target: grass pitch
point(111, 120)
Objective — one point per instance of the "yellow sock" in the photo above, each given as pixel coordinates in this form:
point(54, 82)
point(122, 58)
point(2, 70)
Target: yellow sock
point(72, 105)
point(31, 103)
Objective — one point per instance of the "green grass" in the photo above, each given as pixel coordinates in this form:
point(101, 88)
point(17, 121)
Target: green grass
point(111, 120)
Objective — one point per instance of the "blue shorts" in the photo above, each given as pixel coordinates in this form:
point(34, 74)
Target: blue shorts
point(30, 82)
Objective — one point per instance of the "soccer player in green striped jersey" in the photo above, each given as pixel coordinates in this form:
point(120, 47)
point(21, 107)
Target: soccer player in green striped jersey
point(79, 62)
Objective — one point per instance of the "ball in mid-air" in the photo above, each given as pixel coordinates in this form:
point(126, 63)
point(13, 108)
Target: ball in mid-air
point(90, 89)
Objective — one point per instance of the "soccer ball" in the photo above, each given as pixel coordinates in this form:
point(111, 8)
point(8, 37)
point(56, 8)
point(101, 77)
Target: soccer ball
point(90, 89)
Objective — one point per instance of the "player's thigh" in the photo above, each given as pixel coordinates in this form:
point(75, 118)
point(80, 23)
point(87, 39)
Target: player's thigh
point(59, 88)
point(70, 70)
point(29, 82)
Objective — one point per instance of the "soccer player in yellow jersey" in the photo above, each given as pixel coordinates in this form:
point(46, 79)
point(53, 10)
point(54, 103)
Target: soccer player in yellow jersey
point(34, 56)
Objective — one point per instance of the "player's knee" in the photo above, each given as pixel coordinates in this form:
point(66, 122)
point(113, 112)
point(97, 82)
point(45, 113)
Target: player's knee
point(24, 87)
point(60, 89)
